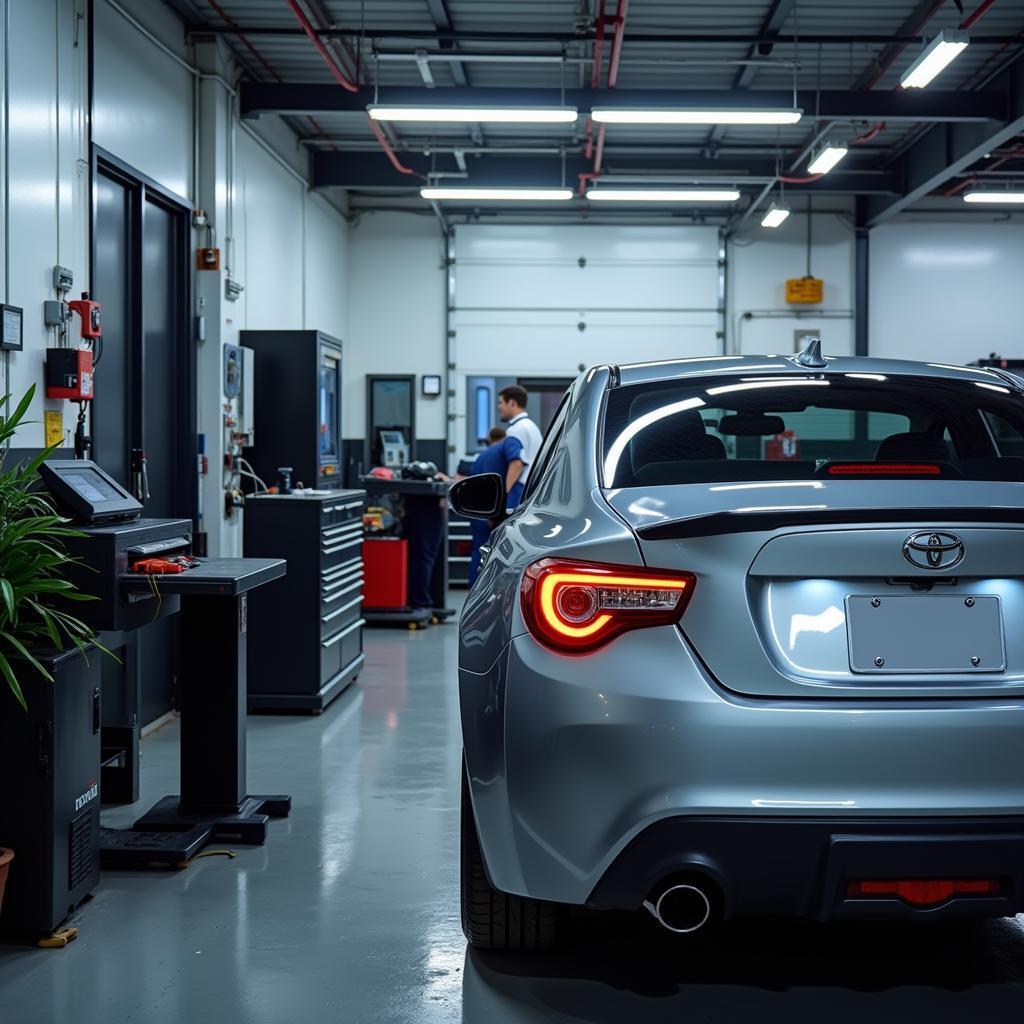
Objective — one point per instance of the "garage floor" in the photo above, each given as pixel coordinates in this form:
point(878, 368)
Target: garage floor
point(350, 912)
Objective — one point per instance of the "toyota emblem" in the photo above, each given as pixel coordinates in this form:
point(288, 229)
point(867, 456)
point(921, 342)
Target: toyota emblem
point(932, 549)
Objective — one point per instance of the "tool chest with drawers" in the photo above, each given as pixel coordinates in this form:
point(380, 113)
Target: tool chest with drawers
point(305, 630)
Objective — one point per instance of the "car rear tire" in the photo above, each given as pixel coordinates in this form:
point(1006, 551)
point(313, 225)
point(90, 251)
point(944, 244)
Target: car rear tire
point(492, 919)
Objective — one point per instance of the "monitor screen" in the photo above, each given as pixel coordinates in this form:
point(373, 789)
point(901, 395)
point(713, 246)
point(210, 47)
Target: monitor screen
point(90, 485)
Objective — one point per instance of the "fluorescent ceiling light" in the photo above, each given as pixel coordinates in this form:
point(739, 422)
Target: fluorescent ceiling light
point(546, 195)
point(663, 195)
point(624, 115)
point(776, 214)
point(994, 197)
point(938, 54)
point(470, 115)
point(828, 158)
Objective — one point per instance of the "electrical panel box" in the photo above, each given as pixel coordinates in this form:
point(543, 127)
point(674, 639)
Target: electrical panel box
point(246, 403)
point(69, 374)
point(805, 290)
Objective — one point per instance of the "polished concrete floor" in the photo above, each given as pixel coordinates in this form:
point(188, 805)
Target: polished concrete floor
point(350, 911)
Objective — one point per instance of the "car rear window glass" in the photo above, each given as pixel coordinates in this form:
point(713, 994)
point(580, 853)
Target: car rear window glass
point(732, 428)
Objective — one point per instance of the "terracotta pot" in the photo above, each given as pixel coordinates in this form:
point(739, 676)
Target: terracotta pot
point(6, 856)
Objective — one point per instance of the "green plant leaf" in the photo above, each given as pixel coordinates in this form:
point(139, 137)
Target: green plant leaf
point(27, 655)
point(12, 681)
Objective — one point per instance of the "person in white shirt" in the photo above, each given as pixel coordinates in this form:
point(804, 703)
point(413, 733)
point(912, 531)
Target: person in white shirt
point(512, 410)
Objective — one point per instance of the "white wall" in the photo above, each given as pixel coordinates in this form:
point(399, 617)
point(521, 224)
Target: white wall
point(396, 299)
point(949, 292)
point(759, 264)
point(142, 97)
point(290, 246)
point(44, 154)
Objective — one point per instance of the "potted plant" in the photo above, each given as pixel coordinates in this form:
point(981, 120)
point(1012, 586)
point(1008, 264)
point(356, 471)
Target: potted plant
point(31, 558)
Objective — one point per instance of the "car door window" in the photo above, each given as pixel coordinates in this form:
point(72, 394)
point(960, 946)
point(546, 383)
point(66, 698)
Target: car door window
point(547, 448)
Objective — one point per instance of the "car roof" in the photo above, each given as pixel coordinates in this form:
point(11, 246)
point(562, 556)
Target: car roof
point(775, 365)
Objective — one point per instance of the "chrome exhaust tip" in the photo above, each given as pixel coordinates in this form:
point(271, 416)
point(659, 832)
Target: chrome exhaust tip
point(682, 908)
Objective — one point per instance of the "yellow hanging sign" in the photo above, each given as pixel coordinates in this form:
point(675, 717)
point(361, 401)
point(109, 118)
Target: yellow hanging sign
point(805, 289)
point(54, 423)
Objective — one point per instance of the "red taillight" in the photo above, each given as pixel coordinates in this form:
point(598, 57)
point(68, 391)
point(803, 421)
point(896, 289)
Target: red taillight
point(884, 469)
point(924, 892)
point(578, 606)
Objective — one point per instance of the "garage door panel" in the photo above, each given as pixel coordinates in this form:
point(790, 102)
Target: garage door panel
point(608, 286)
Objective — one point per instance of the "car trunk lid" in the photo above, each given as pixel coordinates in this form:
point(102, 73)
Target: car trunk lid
point(842, 588)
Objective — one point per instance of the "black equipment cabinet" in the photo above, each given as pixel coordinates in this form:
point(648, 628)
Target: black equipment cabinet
point(50, 811)
point(297, 396)
point(305, 630)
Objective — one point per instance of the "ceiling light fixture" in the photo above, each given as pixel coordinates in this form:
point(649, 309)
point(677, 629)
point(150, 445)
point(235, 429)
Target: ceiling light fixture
point(775, 215)
point(663, 195)
point(828, 156)
point(936, 56)
point(994, 197)
point(626, 115)
point(543, 195)
point(474, 115)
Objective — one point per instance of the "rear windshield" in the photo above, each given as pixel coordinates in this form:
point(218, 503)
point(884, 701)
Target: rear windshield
point(827, 425)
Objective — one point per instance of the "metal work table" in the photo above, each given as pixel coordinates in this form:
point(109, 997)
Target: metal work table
point(214, 801)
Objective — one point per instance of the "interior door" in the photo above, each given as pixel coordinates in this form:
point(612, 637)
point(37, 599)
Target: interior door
point(145, 378)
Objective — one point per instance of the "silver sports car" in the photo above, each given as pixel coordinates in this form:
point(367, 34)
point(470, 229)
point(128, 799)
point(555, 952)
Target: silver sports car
point(751, 643)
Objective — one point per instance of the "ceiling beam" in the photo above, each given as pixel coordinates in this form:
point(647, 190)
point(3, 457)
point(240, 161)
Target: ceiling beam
point(381, 33)
point(369, 172)
point(777, 15)
point(911, 105)
point(947, 150)
point(440, 17)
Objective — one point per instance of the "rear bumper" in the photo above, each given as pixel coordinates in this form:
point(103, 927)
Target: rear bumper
point(571, 759)
point(801, 867)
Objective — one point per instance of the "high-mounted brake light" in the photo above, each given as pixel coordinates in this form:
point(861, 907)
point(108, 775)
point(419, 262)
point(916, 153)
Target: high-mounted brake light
point(579, 606)
point(924, 892)
point(884, 469)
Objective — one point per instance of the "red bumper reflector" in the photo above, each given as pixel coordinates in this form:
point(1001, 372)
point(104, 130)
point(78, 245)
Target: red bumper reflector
point(923, 892)
point(884, 469)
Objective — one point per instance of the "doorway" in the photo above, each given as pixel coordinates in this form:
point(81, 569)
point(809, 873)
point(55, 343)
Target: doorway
point(145, 380)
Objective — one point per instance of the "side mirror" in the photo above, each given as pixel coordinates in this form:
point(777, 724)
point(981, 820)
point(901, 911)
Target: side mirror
point(479, 497)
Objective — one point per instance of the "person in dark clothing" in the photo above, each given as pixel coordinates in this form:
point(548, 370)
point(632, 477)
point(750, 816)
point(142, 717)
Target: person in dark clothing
point(422, 526)
point(504, 456)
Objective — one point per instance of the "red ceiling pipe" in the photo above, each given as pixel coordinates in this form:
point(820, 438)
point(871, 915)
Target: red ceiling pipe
point(620, 25)
point(619, 22)
point(595, 82)
point(389, 149)
point(1013, 154)
point(975, 16)
point(329, 60)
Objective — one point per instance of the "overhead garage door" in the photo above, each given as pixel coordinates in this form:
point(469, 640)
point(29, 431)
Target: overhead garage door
point(538, 301)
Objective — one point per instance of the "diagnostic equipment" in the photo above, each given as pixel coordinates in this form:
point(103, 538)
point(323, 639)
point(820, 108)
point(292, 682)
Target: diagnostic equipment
point(88, 494)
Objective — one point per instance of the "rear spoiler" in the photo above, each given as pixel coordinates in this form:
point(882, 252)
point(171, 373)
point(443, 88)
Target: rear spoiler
point(764, 521)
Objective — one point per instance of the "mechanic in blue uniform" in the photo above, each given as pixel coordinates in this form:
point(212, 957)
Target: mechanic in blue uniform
point(504, 456)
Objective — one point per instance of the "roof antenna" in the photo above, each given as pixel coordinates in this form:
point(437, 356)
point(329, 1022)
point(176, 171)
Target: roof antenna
point(811, 354)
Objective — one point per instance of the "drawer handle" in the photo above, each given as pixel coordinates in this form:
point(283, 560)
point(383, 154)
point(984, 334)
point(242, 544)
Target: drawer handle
point(344, 608)
point(344, 633)
point(343, 508)
point(341, 547)
point(341, 593)
point(342, 581)
point(337, 530)
point(346, 567)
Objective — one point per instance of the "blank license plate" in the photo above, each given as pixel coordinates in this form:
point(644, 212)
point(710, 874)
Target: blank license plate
point(925, 633)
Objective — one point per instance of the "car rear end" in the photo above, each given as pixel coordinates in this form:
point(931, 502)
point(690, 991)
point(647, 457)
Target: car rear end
point(796, 681)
